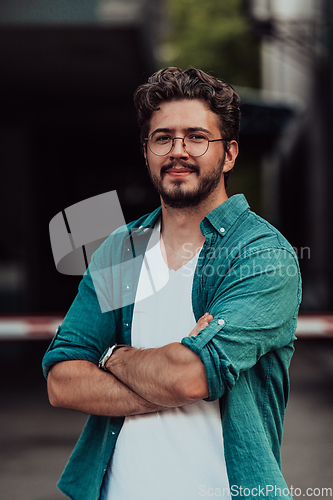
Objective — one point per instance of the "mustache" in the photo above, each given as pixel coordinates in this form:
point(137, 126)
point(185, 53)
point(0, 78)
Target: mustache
point(172, 164)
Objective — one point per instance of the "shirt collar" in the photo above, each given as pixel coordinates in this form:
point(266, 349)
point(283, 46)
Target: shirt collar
point(223, 217)
point(148, 222)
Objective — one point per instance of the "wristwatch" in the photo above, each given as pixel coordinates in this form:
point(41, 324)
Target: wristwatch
point(107, 355)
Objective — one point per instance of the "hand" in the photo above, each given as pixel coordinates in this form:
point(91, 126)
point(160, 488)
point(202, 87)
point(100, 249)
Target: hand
point(201, 324)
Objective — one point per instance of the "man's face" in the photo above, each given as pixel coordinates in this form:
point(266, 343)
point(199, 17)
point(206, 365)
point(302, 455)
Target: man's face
point(183, 180)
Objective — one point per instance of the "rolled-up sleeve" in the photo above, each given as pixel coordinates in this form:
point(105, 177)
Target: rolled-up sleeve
point(255, 308)
point(85, 332)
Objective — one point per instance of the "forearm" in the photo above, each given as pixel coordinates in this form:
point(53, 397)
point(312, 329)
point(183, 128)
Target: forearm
point(171, 375)
point(82, 386)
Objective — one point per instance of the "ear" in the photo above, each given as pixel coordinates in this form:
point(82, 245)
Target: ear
point(230, 156)
point(145, 156)
point(145, 152)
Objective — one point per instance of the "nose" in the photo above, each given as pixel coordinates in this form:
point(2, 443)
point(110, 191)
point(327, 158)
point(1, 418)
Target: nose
point(178, 149)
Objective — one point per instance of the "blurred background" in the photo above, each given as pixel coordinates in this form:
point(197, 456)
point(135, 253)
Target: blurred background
point(68, 70)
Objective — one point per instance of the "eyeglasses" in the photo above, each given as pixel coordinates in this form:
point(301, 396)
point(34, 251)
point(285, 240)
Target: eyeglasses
point(194, 143)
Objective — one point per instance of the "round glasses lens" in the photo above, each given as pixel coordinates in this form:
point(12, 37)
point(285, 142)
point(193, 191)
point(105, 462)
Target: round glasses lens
point(160, 144)
point(196, 144)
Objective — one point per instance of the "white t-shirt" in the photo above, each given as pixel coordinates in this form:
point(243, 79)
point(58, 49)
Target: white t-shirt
point(176, 454)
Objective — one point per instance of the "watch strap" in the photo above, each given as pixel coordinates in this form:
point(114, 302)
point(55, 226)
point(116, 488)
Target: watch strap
point(107, 355)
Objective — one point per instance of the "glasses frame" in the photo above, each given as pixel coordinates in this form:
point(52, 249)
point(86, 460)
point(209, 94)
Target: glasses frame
point(183, 142)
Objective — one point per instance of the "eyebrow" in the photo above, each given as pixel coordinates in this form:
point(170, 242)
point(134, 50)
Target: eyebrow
point(187, 130)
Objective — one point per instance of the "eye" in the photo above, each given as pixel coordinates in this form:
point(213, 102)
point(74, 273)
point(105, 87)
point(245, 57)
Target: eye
point(161, 138)
point(196, 137)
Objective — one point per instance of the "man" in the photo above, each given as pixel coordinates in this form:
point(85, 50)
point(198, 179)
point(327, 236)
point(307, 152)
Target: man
point(179, 341)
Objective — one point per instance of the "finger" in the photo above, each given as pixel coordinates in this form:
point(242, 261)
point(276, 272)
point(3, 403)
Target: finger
point(207, 315)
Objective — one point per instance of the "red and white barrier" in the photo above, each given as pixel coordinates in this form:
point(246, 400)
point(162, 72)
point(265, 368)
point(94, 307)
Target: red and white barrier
point(315, 326)
point(43, 327)
point(29, 327)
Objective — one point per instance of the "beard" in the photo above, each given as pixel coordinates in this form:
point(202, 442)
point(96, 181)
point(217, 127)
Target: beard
point(178, 196)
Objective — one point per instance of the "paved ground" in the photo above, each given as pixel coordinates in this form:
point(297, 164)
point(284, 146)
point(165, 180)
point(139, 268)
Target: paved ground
point(307, 450)
point(36, 439)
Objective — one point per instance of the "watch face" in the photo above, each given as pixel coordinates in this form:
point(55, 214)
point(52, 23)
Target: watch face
point(108, 353)
point(107, 356)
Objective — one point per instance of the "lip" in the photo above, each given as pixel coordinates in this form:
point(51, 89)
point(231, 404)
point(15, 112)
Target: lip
point(180, 173)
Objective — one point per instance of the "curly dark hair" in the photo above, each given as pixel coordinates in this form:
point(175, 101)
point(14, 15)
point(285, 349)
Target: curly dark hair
point(171, 84)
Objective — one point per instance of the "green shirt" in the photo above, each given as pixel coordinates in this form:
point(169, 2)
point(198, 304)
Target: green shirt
point(248, 278)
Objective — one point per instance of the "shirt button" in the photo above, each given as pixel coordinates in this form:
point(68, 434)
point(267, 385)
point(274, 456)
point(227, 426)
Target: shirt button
point(127, 286)
point(222, 230)
point(125, 324)
point(146, 229)
point(221, 322)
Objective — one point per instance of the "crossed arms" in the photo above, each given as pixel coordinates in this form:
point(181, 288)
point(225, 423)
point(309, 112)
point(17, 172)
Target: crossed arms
point(138, 381)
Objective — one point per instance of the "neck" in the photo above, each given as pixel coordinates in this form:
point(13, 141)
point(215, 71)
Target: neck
point(180, 230)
